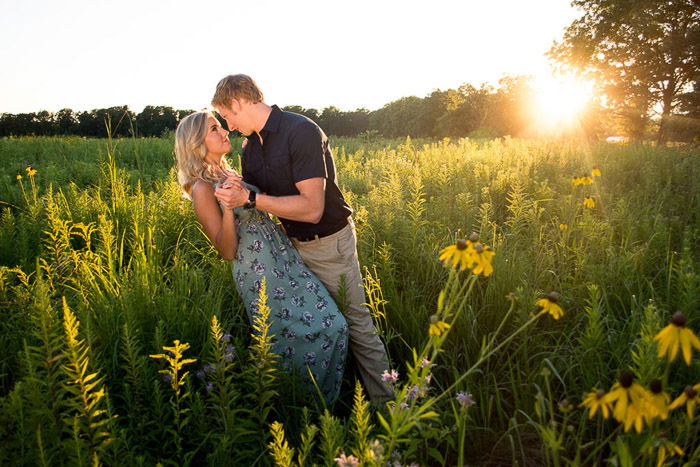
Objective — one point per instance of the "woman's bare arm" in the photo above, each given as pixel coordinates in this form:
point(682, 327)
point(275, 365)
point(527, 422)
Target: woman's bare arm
point(219, 228)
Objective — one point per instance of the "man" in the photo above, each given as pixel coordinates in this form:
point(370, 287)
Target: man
point(288, 157)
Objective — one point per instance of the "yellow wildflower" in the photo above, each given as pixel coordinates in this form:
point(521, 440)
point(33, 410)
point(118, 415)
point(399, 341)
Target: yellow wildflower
point(589, 202)
point(563, 226)
point(174, 355)
point(595, 172)
point(595, 400)
point(437, 327)
point(586, 180)
point(482, 256)
point(675, 336)
point(689, 397)
point(666, 448)
point(31, 172)
point(575, 181)
point(549, 305)
point(459, 255)
point(629, 400)
point(19, 177)
point(657, 401)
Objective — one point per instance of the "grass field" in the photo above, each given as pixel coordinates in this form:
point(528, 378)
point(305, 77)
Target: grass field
point(103, 264)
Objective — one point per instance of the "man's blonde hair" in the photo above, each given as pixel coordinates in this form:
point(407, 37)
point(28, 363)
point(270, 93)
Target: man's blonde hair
point(236, 87)
point(190, 151)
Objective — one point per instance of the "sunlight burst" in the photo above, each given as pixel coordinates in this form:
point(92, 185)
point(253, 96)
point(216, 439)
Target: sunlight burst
point(559, 100)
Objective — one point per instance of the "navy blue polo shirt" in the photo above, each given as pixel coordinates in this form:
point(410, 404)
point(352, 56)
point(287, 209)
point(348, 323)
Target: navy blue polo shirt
point(294, 149)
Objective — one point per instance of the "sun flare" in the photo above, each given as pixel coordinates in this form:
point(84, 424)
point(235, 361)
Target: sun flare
point(559, 100)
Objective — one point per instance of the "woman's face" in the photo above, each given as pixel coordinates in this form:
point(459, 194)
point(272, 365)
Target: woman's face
point(216, 140)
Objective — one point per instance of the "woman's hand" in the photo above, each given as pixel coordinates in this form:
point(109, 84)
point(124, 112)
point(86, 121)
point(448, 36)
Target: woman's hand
point(231, 194)
point(232, 180)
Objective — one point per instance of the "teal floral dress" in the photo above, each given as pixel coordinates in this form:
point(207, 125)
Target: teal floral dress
point(309, 329)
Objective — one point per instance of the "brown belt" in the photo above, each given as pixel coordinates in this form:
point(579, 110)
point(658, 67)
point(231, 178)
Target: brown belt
point(335, 229)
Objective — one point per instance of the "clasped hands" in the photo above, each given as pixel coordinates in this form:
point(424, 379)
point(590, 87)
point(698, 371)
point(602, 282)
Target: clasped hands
point(231, 193)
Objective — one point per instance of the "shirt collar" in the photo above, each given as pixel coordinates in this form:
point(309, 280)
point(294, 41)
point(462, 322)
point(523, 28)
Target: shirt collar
point(273, 121)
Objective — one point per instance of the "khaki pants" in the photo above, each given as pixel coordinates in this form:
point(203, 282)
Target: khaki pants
point(329, 258)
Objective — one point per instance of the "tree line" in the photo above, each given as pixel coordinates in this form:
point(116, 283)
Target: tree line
point(119, 121)
point(644, 57)
point(466, 111)
point(484, 111)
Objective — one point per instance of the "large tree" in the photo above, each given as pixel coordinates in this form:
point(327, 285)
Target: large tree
point(155, 120)
point(643, 52)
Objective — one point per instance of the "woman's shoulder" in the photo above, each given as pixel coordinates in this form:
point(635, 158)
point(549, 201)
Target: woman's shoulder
point(202, 187)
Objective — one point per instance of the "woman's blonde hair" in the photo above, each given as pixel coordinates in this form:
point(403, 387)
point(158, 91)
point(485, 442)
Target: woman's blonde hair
point(190, 152)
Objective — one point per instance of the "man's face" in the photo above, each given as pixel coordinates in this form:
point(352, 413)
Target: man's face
point(233, 117)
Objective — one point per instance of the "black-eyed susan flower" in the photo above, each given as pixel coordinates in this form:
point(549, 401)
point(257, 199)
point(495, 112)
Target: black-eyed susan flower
point(594, 401)
point(629, 402)
point(586, 180)
point(459, 255)
point(31, 171)
point(563, 226)
point(665, 448)
point(565, 406)
point(689, 398)
point(437, 327)
point(482, 256)
point(595, 172)
point(19, 177)
point(575, 181)
point(675, 336)
point(549, 305)
point(657, 401)
point(589, 202)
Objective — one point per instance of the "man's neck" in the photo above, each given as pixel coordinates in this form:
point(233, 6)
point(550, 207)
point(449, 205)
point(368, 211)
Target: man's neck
point(260, 113)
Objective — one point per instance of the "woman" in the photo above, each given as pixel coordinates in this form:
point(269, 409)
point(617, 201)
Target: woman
point(310, 330)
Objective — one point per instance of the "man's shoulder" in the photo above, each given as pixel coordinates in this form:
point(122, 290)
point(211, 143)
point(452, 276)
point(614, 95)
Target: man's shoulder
point(295, 120)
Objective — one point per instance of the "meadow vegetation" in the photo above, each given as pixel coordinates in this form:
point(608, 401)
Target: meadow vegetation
point(122, 339)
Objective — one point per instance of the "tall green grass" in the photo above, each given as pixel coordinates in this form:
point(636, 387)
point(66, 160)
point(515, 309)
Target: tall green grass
point(102, 226)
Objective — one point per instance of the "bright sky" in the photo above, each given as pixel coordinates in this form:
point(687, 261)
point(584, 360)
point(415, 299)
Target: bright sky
point(87, 54)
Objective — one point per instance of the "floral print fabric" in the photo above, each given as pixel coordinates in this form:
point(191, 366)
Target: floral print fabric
point(309, 329)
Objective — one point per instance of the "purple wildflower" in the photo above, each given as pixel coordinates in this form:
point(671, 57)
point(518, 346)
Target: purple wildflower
point(346, 461)
point(412, 392)
point(390, 377)
point(465, 399)
point(230, 352)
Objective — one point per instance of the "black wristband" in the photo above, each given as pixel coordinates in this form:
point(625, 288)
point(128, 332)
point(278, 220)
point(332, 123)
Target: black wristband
point(250, 204)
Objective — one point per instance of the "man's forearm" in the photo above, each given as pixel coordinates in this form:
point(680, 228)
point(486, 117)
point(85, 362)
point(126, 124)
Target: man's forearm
point(294, 207)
